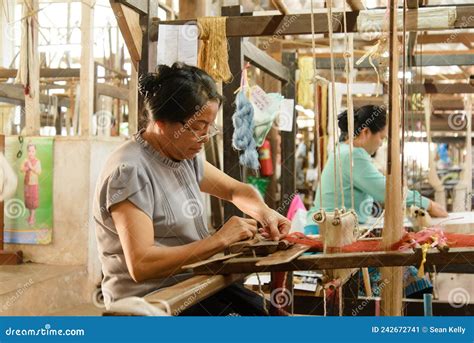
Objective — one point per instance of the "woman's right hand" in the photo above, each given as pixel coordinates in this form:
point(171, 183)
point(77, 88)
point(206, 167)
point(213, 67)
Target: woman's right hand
point(436, 210)
point(236, 229)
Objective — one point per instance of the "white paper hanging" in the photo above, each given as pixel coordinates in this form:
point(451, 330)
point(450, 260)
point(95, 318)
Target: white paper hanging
point(178, 43)
point(286, 114)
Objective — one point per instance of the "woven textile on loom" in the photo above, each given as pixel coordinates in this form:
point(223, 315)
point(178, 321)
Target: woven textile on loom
point(454, 240)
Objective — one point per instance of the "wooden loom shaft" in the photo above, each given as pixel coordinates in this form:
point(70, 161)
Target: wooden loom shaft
point(342, 260)
point(392, 278)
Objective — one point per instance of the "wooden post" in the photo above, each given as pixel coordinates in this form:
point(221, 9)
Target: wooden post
point(288, 188)
point(86, 102)
point(31, 67)
point(231, 157)
point(133, 102)
point(288, 141)
point(191, 9)
point(148, 55)
point(392, 278)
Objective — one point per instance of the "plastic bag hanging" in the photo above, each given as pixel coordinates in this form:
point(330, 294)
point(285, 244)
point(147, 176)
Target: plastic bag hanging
point(243, 139)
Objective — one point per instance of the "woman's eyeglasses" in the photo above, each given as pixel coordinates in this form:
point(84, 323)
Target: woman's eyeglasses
point(212, 131)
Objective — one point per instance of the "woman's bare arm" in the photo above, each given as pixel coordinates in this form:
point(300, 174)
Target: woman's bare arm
point(147, 261)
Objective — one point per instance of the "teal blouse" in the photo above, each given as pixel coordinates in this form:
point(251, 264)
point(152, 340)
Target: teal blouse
point(369, 185)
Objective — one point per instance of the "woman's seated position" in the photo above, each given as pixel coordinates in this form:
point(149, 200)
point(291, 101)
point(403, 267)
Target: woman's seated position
point(370, 130)
point(148, 207)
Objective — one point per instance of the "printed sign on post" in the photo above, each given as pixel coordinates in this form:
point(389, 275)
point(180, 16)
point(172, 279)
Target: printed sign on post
point(259, 98)
point(285, 118)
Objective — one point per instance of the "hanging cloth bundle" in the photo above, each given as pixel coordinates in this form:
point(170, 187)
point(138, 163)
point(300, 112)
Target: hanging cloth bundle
point(305, 92)
point(243, 138)
point(27, 54)
point(213, 51)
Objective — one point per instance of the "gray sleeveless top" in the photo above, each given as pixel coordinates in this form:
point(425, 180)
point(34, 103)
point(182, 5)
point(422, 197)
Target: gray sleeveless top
point(166, 191)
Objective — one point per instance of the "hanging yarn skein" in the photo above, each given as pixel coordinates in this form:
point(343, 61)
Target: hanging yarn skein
point(243, 139)
point(213, 53)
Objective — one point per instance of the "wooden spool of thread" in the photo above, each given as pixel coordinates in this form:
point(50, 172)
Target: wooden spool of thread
point(337, 229)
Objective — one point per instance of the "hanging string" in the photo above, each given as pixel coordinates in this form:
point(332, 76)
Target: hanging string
point(348, 47)
point(213, 53)
point(315, 108)
point(260, 289)
point(404, 102)
point(325, 305)
point(373, 226)
point(243, 122)
point(420, 175)
point(340, 300)
point(337, 155)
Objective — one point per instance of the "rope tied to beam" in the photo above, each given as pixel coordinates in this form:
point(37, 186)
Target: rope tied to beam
point(213, 53)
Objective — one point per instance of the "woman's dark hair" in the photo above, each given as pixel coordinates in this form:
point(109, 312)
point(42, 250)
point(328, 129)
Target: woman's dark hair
point(370, 116)
point(175, 93)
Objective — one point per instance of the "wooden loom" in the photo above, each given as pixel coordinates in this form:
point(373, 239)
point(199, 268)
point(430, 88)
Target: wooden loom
point(143, 51)
point(217, 273)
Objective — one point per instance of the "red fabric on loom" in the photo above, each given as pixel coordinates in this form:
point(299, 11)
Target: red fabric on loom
point(454, 240)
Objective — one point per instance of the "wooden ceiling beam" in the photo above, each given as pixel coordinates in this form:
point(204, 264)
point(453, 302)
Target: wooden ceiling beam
point(265, 62)
point(139, 6)
point(16, 94)
point(419, 61)
point(44, 72)
point(356, 5)
point(296, 24)
point(446, 38)
point(128, 21)
point(439, 104)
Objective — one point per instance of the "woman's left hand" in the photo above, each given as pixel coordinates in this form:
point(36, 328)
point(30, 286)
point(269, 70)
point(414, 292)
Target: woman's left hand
point(275, 226)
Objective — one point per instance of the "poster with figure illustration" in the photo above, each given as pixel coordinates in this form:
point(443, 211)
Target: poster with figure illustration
point(29, 212)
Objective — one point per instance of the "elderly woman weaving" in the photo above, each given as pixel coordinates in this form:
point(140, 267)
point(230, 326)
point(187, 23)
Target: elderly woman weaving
point(148, 205)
